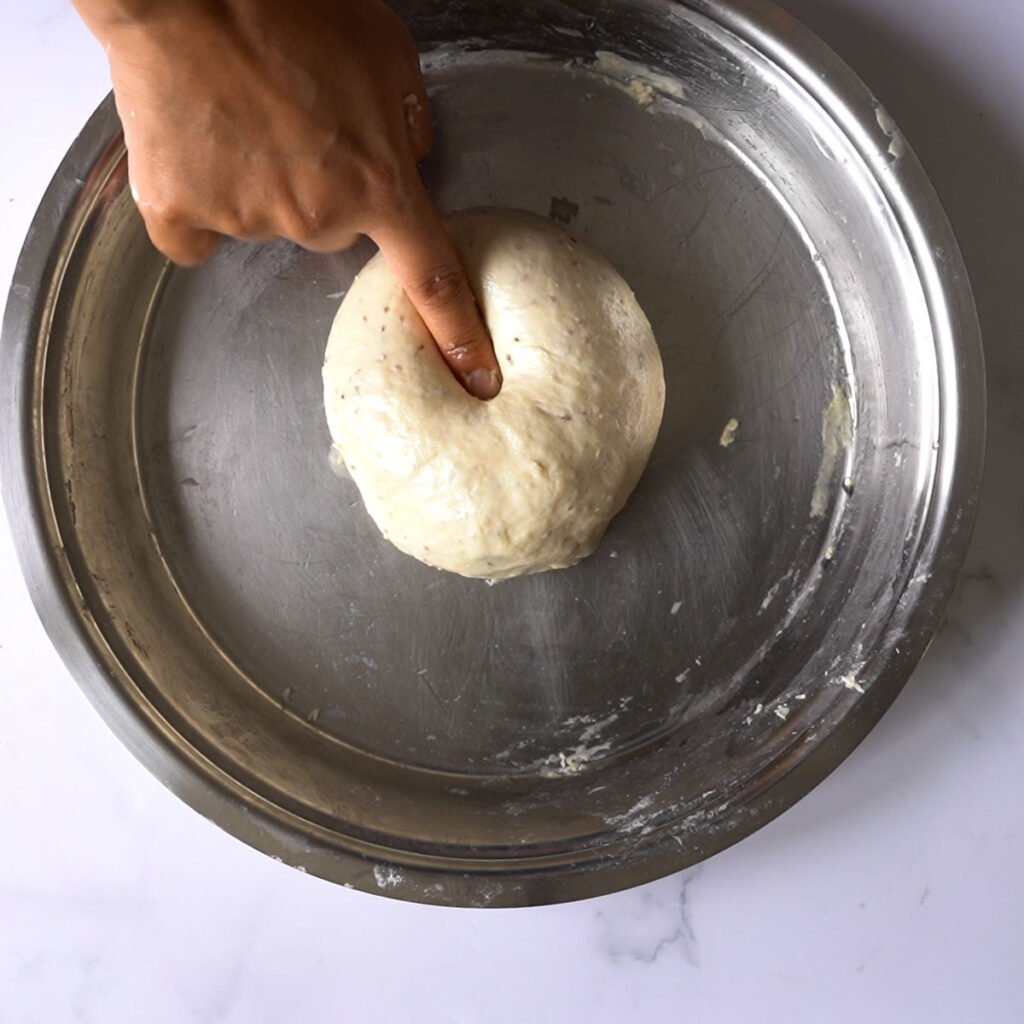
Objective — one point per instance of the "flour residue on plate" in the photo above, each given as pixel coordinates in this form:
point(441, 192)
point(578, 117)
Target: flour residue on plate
point(836, 435)
point(588, 747)
point(897, 144)
point(646, 86)
point(636, 79)
point(773, 591)
point(729, 433)
point(851, 682)
point(386, 876)
point(573, 760)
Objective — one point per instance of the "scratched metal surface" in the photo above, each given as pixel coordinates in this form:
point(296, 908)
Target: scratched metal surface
point(225, 600)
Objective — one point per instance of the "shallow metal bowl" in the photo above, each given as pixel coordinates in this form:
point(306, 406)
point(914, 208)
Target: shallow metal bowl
point(226, 603)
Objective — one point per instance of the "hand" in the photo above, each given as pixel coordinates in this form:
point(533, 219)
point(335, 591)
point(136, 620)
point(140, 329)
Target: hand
point(258, 119)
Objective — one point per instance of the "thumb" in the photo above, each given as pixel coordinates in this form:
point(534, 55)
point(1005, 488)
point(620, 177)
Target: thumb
point(428, 267)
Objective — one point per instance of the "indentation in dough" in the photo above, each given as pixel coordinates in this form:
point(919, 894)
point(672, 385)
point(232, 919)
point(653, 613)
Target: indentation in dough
point(527, 481)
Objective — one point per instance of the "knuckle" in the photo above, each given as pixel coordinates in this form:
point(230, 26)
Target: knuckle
point(177, 253)
point(185, 258)
point(443, 287)
point(302, 233)
point(235, 226)
point(465, 350)
point(318, 225)
point(332, 242)
point(384, 183)
point(301, 224)
point(421, 146)
point(421, 134)
point(165, 211)
point(163, 206)
point(185, 247)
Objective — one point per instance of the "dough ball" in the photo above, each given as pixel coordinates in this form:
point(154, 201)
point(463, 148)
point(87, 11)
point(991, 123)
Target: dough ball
point(529, 480)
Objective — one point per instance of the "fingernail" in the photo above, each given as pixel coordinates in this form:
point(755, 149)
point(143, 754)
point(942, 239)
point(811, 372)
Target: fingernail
point(483, 383)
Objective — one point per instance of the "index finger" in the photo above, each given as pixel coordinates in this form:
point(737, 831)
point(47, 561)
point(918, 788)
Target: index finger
point(428, 267)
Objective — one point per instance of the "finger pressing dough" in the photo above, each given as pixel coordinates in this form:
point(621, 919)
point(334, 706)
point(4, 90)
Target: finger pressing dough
point(529, 480)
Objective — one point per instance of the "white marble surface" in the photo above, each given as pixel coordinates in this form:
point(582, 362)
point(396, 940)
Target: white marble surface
point(892, 893)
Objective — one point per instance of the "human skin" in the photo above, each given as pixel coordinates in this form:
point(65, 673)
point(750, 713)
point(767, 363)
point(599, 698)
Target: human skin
point(256, 120)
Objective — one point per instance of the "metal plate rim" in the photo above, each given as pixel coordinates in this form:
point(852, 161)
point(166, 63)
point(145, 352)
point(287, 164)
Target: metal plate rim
point(248, 816)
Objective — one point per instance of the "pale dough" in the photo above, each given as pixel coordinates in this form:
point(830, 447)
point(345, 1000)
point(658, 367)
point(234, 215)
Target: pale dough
point(529, 480)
